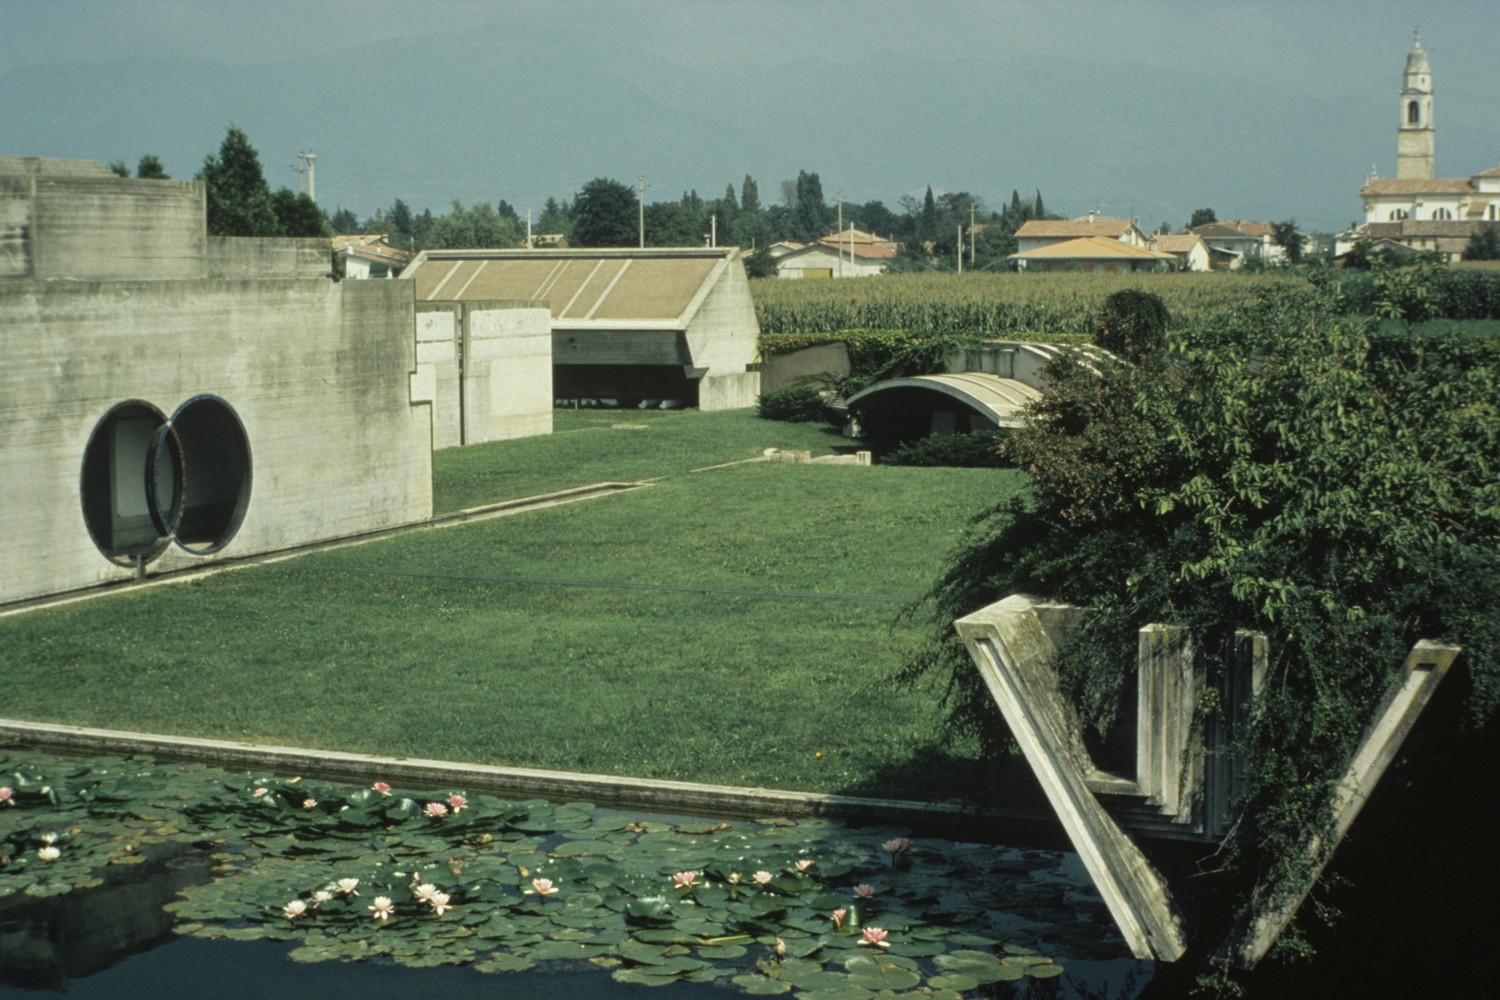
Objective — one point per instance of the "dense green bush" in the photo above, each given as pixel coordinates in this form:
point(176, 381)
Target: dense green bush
point(975, 450)
point(1132, 323)
point(1280, 470)
point(795, 405)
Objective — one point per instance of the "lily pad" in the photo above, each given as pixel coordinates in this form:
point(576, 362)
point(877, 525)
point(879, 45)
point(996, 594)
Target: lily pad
point(762, 985)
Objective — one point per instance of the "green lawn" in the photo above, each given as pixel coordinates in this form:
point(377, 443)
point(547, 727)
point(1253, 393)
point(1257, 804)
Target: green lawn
point(419, 645)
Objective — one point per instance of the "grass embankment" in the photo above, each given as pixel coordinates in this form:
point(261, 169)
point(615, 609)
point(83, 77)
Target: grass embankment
point(416, 646)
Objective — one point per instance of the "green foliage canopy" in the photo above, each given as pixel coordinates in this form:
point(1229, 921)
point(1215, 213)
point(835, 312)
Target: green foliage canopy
point(239, 200)
point(604, 215)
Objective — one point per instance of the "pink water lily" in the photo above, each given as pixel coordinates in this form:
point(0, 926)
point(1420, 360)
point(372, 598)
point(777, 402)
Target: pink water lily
point(896, 845)
point(864, 891)
point(309, 803)
point(685, 880)
point(382, 907)
point(294, 909)
point(803, 864)
point(875, 936)
point(839, 915)
point(348, 886)
point(381, 787)
point(457, 803)
point(440, 904)
point(6, 796)
point(762, 877)
point(543, 886)
point(260, 792)
point(436, 810)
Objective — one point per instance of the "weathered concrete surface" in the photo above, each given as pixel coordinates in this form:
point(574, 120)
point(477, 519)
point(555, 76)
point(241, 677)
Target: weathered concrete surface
point(1014, 648)
point(268, 257)
point(487, 368)
point(806, 367)
point(316, 371)
point(673, 797)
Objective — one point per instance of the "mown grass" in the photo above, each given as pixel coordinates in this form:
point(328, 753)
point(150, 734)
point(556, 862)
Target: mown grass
point(592, 446)
point(420, 646)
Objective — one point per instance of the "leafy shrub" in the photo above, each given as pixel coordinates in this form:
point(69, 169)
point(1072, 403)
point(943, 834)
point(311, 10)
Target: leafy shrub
point(795, 405)
point(1132, 323)
point(975, 450)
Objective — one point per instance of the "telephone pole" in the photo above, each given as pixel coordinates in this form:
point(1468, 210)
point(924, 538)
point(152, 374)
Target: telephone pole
point(641, 209)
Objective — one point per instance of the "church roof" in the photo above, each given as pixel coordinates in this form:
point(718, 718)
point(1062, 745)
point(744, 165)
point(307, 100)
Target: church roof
point(1416, 59)
point(1416, 185)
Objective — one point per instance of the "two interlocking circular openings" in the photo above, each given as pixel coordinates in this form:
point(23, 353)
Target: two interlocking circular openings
point(151, 481)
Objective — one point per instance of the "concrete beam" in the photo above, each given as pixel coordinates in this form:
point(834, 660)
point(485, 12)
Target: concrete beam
point(1015, 651)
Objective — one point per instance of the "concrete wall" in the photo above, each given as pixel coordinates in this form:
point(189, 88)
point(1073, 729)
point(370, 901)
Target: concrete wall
point(489, 369)
point(61, 219)
point(721, 337)
point(805, 367)
point(317, 372)
point(268, 257)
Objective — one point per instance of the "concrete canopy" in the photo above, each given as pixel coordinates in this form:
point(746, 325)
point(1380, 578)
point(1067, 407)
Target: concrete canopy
point(996, 399)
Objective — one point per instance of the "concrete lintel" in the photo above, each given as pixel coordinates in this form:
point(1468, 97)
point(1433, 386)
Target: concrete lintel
point(1014, 650)
point(1394, 717)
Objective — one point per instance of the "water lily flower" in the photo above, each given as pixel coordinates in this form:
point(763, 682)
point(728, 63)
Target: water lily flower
point(425, 892)
point(864, 891)
point(309, 803)
point(457, 803)
point(381, 787)
point(780, 948)
point(48, 838)
point(48, 853)
point(543, 886)
point(382, 907)
point(685, 880)
point(896, 845)
point(803, 864)
point(440, 904)
point(875, 936)
point(260, 792)
point(348, 886)
point(294, 909)
point(321, 896)
point(6, 796)
point(436, 810)
point(762, 877)
point(734, 878)
point(839, 915)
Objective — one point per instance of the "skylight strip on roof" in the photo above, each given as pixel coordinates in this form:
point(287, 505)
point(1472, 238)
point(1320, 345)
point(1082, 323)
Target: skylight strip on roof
point(608, 288)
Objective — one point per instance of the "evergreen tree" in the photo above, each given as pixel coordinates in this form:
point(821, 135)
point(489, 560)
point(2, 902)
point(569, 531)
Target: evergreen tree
point(401, 225)
point(812, 211)
point(239, 200)
point(1202, 217)
point(1040, 212)
point(604, 215)
point(118, 168)
point(669, 225)
point(749, 195)
point(345, 222)
point(729, 204)
point(150, 168)
point(297, 214)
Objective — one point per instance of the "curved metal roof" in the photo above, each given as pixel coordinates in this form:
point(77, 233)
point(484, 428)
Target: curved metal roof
point(993, 396)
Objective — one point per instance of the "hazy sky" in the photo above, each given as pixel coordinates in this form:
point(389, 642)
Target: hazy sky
point(1262, 110)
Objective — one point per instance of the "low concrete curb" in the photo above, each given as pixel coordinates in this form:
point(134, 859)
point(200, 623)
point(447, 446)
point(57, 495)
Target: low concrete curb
point(669, 797)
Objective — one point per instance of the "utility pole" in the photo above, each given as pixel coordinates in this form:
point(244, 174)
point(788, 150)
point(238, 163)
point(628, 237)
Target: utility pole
point(840, 245)
point(960, 248)
point(307, 181)
point(528, 229)
point(641, 206)
point(971, 234)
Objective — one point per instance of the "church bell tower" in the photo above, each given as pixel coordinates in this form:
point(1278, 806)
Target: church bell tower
point(1414, 137)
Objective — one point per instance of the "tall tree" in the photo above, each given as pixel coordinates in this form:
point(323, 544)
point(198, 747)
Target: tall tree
point(1202, 217)
point(150, 168)
point(673, 225)
point(1484, 244)
point(344, 222)
point(750, 195)
point(604, 215)
point(401, 227)
point(812, 211)
point(239, 200)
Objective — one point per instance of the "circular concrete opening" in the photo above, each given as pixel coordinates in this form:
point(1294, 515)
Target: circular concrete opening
point(148, 480)
point(213, 453)
point(117, 503)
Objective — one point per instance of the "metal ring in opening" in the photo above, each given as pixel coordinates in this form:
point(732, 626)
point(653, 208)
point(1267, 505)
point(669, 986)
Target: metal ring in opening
point(117, 507)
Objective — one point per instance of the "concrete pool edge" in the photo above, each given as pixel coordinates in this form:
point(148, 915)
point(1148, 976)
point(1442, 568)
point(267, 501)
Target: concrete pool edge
point(1019, 827)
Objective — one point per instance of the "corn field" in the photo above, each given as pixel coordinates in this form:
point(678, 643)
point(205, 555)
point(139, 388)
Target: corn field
point(989, 305)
